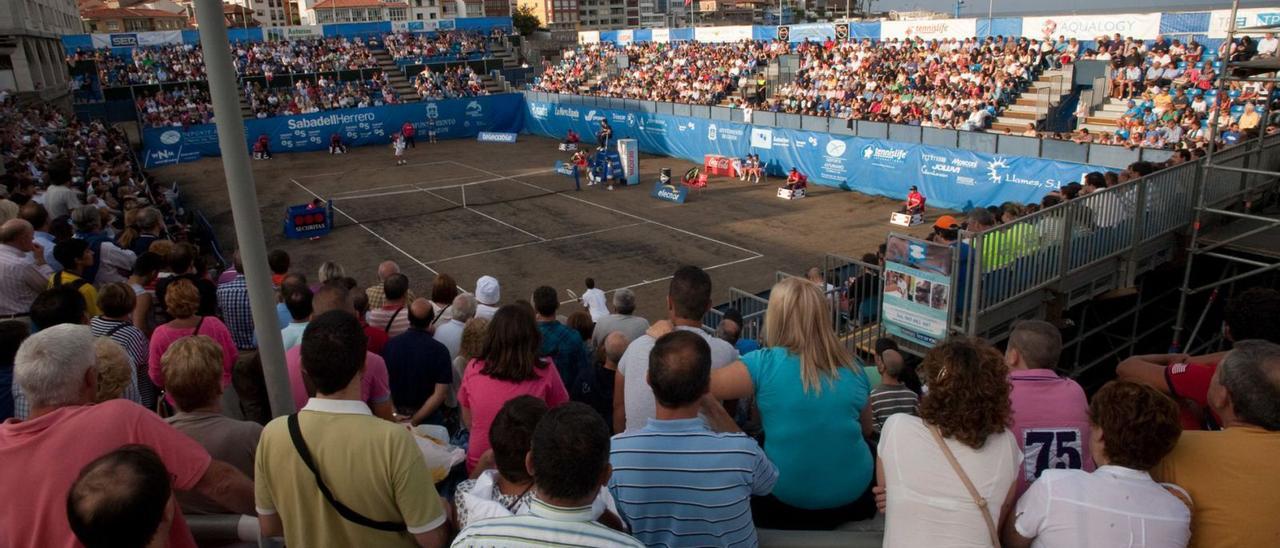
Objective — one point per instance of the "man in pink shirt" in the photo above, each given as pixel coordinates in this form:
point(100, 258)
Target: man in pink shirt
point(1050, 413)
point(375, 389)
point(43, 455)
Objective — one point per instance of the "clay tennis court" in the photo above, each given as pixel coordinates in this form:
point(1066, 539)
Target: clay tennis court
point(468, 209)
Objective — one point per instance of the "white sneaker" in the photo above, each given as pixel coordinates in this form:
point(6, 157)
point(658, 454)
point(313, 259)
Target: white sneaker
point(610, 187)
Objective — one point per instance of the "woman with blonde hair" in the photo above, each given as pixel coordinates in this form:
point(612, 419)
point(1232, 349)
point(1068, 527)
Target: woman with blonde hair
point(329, 271)
point(813, 405)
point(115, 373)
point(182, 300)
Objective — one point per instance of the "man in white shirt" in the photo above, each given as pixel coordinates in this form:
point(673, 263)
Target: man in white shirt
point(449, 333)
point(21, 278)
point(593, 299)
point(1268, 46)
point(688, 299)
point(113, 263)
point(59, 198)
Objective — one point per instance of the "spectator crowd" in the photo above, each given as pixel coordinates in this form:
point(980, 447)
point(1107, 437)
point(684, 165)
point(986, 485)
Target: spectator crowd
point(324, 93)
point(449, 45)
point(450, 83)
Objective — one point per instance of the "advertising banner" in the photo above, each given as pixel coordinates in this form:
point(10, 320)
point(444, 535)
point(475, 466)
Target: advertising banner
point(661, 35)
point(814, 32)
point(137, 39)
point(951, 178)
point(293, 33)
point(624, 37)
point(564, 168)
point(1143, 26)
point(308, 220)
point(629, 155)
point(1220, 20)
point(669, 193)
point(722, 34)
point(917, 289)
point(715, 164)
point(930, 29)
point(449, 119)
point(496, 137)
point(588, 36)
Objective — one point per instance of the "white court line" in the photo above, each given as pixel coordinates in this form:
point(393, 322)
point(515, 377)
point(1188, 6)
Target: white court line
point(527, 244)
point(665, 278)
point(369, 230)
point(503, 223)
point(354, 169)
point(607, 208)
point(401, 185)
point(412, 190)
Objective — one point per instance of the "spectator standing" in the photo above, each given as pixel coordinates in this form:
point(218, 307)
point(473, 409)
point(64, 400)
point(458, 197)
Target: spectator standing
point(688, 299)
point(569, 461)
point(122, 499)
point(377, 337)
point(375, 388)
point(181, 302)
point(443, 292)
point(488, 295)
point(142, 281)
point(1050, 413)
point(594, 301)
point(297, 299)
point(372, 467)
point(38, 216)
point(193, 369)
point(12, 333)
point(891, 397)
point(622, 319)
point(182, 262)
point(391, 316)
point(1132, 428)
point(678, 479)
point(963, 421)
point(375, 293)
point(449, 332)
point(288, 284)
point(76, 259)
point(233, 307)
point(20, 279)
point(561, 344)
point(804, 372)
point(1230, 474)
point(279, 262)
point(44, 454)
point(418, 368)
point(510, 365)
point(117, 302)
point(59, 197)
point(608, 356)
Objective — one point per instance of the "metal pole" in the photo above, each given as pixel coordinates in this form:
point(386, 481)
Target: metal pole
point(244, 202)
point(989, 9)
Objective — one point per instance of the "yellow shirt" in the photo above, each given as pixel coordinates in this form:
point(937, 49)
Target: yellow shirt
point(86, 289)
point(372, 466)
point(1233, 483)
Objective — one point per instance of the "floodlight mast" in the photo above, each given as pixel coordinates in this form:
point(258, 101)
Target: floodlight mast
point(244, 202)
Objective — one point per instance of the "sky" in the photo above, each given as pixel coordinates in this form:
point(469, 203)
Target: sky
point(978, 8)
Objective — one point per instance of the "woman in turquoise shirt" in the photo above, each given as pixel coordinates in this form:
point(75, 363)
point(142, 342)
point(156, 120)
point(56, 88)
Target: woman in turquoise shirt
point(813, 403)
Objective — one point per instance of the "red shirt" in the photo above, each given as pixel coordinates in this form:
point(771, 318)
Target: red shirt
point(407, 129)
point(915, 199)
point(377, 339)
point(43, 456)
point(1190, 382)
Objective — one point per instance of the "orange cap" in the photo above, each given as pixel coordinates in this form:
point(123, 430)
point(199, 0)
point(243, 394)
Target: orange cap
point(946, 222)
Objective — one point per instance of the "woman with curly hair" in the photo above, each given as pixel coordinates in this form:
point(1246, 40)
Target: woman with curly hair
point(950, 474)
point(1133, 427)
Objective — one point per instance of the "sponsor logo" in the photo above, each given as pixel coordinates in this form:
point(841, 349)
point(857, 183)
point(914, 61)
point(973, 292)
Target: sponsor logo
point(474, 109)
point(569, 112)
point(761, 138)
point(873, 152)
point(631, 120)
point(1088, 27)
point(170, 137)
point(495, 137)
point(995, 169)
point(1268, 18)
point(669, 193)
point(836, 148)
point(711, 132)
point(161, 155)
point(124, 40)
point(433, 111)
point(927, 29)
point(592, 116)
point(684, 126)
point(619, 118)
point(331, 120)
point(539, 111)
point(813, 141)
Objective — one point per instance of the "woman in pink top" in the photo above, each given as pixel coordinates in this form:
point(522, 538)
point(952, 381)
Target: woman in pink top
point(181, 300)
point(508, 367)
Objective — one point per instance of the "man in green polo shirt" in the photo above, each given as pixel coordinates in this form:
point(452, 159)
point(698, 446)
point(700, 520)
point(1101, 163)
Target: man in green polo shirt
point(371, 467)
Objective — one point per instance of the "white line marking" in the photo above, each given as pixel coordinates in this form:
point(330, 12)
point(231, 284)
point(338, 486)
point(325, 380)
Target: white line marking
point(607, 208)
point(402, 185)
point(350, 170)
point(428, 191)
point(369, 230)
point(412, 190)
point(503, 223)
point(665, 278)
point(527, 244)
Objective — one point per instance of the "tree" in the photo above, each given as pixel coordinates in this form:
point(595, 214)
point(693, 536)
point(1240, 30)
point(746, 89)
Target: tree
point(524, 20)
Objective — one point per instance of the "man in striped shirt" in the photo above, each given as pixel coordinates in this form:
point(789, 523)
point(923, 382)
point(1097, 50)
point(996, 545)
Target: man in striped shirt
point(569, 461)
point(678, 482)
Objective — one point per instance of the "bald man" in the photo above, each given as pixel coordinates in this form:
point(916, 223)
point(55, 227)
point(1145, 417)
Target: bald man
point(23, 272)
point(377, 297)
point(615, 345)
point(419, 367)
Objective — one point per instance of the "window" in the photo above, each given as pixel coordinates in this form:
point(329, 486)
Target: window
point(419, 16)
point(397, 14)
point(432, 15)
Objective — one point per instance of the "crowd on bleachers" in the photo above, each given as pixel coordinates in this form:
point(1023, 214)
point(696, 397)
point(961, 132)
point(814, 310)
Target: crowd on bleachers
point(450, 83)
point(956, 84)
point(179, 107)
point(303, 56)
point(324, 93)
point(447, 45)
point(601, 428)
point(146, 65)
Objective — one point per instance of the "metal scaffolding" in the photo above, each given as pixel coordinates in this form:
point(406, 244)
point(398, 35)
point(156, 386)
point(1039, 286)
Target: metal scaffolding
point(1226, 226)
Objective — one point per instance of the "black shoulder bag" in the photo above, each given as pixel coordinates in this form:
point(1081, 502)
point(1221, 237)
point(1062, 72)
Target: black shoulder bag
point(295, 432)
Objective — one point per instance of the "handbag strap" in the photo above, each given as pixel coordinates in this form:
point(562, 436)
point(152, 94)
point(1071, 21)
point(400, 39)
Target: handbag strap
point(295, 433)
point(968, 485)
point(387, 327)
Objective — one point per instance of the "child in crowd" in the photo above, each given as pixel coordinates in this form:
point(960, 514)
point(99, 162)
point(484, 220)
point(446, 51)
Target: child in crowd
point(890, 396)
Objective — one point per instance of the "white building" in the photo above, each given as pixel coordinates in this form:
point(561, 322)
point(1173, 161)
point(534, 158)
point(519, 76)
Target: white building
point(31, 54)
point(426, 10)
point(358, 11)
point(268, 13)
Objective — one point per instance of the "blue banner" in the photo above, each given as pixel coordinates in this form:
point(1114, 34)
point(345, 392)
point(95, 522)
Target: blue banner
point(496, 137)
point(449, 119)
point(308, 220)
point(675, 194)
point(950, 178)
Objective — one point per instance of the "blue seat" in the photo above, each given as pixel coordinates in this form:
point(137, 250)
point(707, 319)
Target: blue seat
point(1194, 92)
point(1217, 65)
point(1182, 65)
